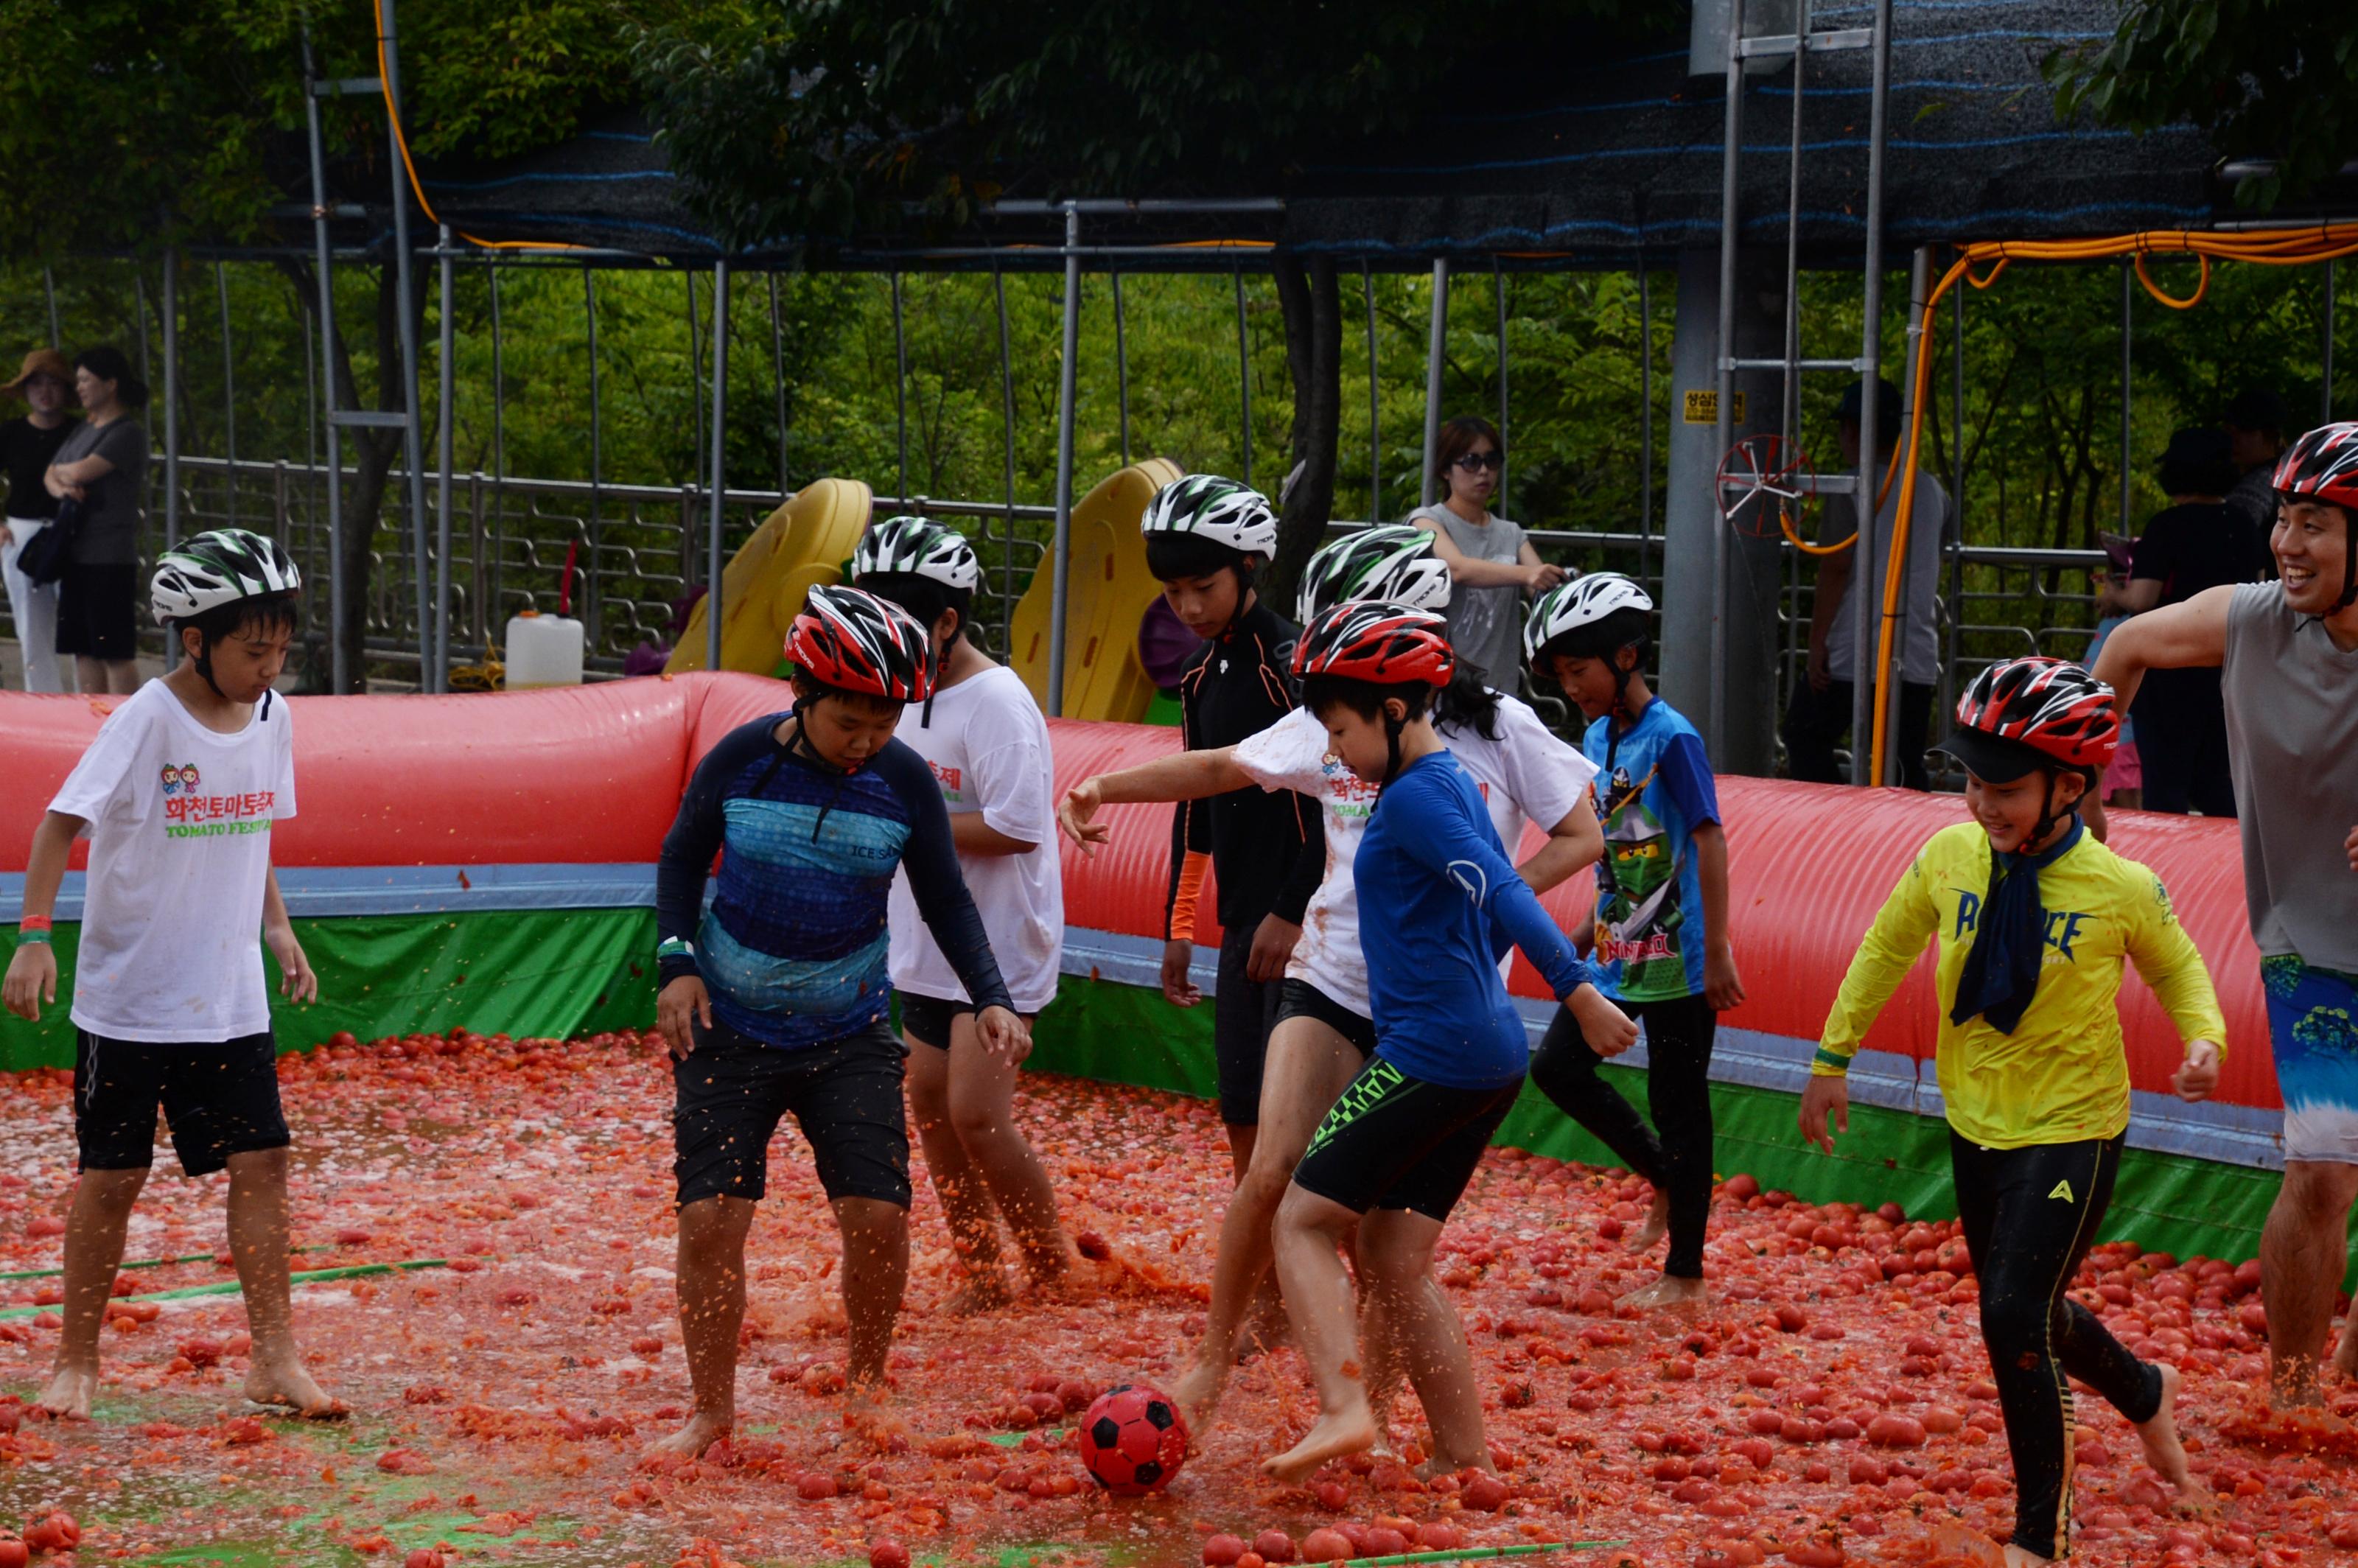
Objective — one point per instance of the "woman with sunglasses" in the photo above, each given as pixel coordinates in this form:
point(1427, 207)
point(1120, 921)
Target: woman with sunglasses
point(1491, 560)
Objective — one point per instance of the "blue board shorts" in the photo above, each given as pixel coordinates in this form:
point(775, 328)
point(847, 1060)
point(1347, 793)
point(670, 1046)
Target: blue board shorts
point(2313, 1029)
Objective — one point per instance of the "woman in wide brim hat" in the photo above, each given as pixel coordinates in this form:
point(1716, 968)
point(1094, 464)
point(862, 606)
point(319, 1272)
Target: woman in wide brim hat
point(28, 446)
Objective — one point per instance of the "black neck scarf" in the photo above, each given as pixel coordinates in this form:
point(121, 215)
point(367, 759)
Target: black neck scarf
point(2001, 971)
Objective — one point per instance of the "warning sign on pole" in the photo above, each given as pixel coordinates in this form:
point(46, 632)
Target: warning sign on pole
point(1702, 407)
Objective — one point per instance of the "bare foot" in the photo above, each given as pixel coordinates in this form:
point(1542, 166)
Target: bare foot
point(1351, 1430)
point(868, 1420)
point(1670, 1291)
point(1196, 1392)
point(982, 1292)
point(69, 1394)
point(288, 1386)
point(704, 1429)
point(2162, 1450)
point(1658, 1223)
point(2346, 1355)
point(2292, 1383)
point(1270, 1327)
point(2023, 1557)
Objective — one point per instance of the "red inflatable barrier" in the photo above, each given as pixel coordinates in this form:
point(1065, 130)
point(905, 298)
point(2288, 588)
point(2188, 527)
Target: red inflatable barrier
point(593, 775)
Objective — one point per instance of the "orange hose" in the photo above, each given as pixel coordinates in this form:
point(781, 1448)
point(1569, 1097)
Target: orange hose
point(401, 140)
point(2268, 247)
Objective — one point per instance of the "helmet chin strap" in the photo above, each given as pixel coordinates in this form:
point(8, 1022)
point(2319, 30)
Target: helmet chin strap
point(2349, 562)
point(1393, 727)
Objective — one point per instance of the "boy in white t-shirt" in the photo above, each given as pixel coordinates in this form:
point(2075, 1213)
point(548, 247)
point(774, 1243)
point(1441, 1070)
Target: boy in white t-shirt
point(986, 744)
point(1325, 1033)
point(178, 793)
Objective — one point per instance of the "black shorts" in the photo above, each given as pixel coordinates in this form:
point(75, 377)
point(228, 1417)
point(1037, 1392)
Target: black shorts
point(732, 1093)
point(1243, 1013)
point(220, 1098)
point(1299, 999)
point(1393, 1141)
point(98, 615)
point(927, 1019)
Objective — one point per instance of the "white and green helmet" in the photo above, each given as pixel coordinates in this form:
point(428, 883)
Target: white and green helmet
point(1219, 510)
point(1391, 561)
point(218, 568)
point(917, 547)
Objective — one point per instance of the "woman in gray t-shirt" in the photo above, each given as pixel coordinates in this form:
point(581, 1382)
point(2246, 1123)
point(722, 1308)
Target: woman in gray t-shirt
point(1491, 563)
point(102, 469)
point(2287, 656)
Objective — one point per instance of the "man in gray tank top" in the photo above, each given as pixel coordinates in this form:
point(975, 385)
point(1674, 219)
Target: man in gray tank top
point(2288, 653)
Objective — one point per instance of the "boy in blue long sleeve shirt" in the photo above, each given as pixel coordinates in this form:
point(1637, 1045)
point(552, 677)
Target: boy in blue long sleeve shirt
point(1440, 903)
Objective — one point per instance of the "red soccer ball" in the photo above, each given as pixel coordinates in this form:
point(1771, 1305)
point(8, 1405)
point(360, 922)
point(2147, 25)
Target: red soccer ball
point(1133, 1441)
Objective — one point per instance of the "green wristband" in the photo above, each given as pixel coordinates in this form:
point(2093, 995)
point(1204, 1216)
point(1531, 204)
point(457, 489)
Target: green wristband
point(32, 939)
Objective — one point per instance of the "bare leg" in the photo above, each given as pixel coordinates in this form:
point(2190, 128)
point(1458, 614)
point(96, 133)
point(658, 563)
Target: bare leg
point(982, 1115)
point(98, 676)
point(2345, 1354)
point(711, 1309)
point(1658, 1224)
point(1241, 1135)
point(257, 1243)
point(1318, 1297)
point(965, 1203)
point(1396, 1260)
point(1308, 1064)
point(94, 1232)
point(875, 1273)
point(2302, 1256)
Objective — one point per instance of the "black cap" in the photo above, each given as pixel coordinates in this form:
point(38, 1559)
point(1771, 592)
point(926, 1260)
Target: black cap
point(2257, 409)
point(1994, 757)
point(2197, 463)
point(1887, 405)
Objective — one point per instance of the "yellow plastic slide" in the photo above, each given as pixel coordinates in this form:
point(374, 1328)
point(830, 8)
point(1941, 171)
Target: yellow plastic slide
point(803, 543)
point(1109, 588)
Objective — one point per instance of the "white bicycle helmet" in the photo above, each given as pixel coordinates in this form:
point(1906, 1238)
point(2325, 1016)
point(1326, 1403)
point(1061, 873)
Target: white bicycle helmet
point(1584, 601)
point(1392, 561)
point(917, 547)
point(218, 568)
point(1219, 510)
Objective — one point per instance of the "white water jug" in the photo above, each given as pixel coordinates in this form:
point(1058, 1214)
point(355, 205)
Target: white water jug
point(542, 650)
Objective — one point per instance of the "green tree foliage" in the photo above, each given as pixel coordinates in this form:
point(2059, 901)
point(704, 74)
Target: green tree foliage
point(2275, 79)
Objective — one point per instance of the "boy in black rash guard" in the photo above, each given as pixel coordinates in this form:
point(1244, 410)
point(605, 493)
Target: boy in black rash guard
point(775, 999)
point(1204, 537)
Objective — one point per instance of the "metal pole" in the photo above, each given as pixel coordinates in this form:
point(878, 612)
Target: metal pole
point(1007, 427)
point(1122, 368)
point(50, 290)
point(446, 384)
point(1499, 289)
point(1244, 376)
point(487, 614)
point(720, 416)
point(696, 374)
point(1715, 728)
point(901, 384)
point(412, 438)
point(778, 379)
point(1788, 416)
point(1645, 421)
point(2325, 354)
point(1065, 392)
point(1867, 571)
point(2128, 296)
point(139, 295)
point(171, 416)
point(1956, 557)
point(310, 441)
point(1433, 351)
point(229, 390)
point(1375, 433)
point(590, 609)
point(341, 674)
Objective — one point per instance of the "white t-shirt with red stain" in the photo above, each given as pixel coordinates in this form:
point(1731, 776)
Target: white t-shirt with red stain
point(987, 748)
point(1528, 773)
point(179, 835)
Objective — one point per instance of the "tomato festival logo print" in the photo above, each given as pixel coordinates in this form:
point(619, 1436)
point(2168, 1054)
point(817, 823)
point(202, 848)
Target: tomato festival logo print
point(188, 815)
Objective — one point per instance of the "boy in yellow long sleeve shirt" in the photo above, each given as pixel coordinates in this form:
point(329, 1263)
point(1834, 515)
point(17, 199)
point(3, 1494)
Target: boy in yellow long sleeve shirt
point(2033, 919)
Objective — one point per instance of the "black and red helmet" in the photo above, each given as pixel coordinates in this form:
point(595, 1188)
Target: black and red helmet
point(850, 639)
point(2321, 466)
point(2030, 713)
point(1369, 639)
